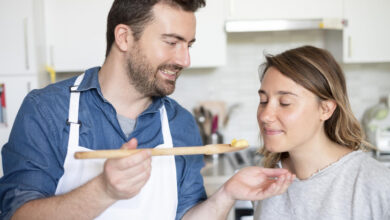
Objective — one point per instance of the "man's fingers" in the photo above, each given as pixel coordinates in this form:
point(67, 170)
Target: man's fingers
point(141, 176)
point(141, 168)
point(132, 160)
point(126, 176)
point(121, 187)
point(132, 144)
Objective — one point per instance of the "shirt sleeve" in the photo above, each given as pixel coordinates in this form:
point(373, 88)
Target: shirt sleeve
point(191, 190)
point(31, 166)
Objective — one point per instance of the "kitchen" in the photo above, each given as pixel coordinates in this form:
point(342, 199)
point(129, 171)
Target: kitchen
point(234, 58)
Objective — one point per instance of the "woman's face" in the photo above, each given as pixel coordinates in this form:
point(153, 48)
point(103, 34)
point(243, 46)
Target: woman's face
point(289, 115)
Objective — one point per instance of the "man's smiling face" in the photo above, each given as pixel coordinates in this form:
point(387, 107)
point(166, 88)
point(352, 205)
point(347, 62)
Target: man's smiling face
point(157, 58)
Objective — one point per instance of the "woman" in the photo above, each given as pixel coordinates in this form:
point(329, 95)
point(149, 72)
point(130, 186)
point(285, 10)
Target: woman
point(308, 128)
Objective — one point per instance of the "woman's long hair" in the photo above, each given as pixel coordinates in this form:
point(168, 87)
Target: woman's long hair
point(316, 70)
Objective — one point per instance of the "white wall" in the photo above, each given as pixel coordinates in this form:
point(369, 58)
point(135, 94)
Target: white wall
point(238, 81)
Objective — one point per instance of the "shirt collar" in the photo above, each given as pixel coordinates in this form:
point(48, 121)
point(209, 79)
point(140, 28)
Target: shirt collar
point(157, 104)
point(90, 80)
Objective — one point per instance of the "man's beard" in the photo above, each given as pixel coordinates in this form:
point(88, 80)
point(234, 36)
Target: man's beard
point(144, 77)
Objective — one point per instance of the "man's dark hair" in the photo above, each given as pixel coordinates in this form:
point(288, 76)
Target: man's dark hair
point(137, 13)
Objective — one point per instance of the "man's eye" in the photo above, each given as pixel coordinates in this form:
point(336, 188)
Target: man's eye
point(263, 103)
point(170, 43)
point(284, 104)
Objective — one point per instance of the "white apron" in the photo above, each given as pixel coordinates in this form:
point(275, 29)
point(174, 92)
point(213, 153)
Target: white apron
point(156, 200)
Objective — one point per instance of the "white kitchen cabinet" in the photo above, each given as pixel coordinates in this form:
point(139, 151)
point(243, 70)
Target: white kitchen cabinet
point(284, 9)
point(367, 33)
point(17, 48)
point(18, 58)
point(209, 50)
point(363, 39)
point(16, 88)
point(76, 34)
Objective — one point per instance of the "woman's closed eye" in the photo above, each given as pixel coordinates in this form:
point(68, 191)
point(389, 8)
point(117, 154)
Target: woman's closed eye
point(263, 99)
point(284, 104)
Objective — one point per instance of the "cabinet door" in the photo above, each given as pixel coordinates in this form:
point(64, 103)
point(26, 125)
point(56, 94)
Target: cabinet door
point(209, 50)
point(76, 33)
point(366, 36)
point(284, 9)
point(13, 90)
point(16, 38)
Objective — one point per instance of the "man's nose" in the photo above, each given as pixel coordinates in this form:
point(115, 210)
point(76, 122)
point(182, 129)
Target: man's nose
point(183, 57)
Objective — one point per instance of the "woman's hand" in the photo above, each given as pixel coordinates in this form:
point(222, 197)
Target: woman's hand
point(257, 183)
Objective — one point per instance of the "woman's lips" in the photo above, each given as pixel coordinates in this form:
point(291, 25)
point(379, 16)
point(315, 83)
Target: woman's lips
point(272, 131)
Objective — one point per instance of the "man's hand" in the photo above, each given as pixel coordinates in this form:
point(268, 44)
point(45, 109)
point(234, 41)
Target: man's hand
point(257, 183)
point(123, 178)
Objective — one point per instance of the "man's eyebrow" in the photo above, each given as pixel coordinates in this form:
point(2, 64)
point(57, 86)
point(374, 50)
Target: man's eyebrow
point(180, 38)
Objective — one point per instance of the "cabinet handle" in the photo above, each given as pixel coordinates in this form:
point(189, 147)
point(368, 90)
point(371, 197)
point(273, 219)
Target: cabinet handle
point(349, 47)
point(26, 57)
point(28, 87)
point(231, 8)
point(51, 55)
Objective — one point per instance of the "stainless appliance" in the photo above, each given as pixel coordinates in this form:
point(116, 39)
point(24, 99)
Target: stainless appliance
point(376, 123)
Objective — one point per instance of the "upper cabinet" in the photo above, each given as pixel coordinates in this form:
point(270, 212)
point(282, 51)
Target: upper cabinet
point(284, 9)
point(76, 34)
point(209, 50)
point(364, 24)
point(367, 33)
point(17, 53)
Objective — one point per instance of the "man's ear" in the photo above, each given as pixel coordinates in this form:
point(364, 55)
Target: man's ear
point(123, 37)
point(327, 109)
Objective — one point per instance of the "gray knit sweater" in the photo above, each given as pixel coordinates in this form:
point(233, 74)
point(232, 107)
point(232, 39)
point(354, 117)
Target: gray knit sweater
point(355, 187)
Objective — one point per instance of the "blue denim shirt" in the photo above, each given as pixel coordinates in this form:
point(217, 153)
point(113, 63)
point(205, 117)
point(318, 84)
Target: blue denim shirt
point(34, 156)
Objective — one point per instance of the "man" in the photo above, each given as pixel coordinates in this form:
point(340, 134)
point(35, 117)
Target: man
point(123, 104)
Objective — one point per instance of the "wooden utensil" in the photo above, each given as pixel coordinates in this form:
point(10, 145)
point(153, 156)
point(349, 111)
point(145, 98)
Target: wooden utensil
point(207, 149)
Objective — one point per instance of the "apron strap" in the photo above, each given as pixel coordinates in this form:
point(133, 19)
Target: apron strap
point(165, 126)
point(73, 116)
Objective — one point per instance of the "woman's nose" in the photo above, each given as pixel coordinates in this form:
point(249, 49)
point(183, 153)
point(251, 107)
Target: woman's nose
point(265, 113)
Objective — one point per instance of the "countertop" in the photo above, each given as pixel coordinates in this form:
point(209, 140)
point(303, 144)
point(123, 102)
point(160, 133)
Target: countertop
point(220, 167)
point(217, 170)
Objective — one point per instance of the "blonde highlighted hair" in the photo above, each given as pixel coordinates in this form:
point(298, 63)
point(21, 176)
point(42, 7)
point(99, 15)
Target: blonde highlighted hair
point(316, 70)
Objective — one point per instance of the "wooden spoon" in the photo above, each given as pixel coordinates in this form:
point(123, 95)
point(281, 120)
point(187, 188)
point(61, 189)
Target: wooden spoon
point(207, 149)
